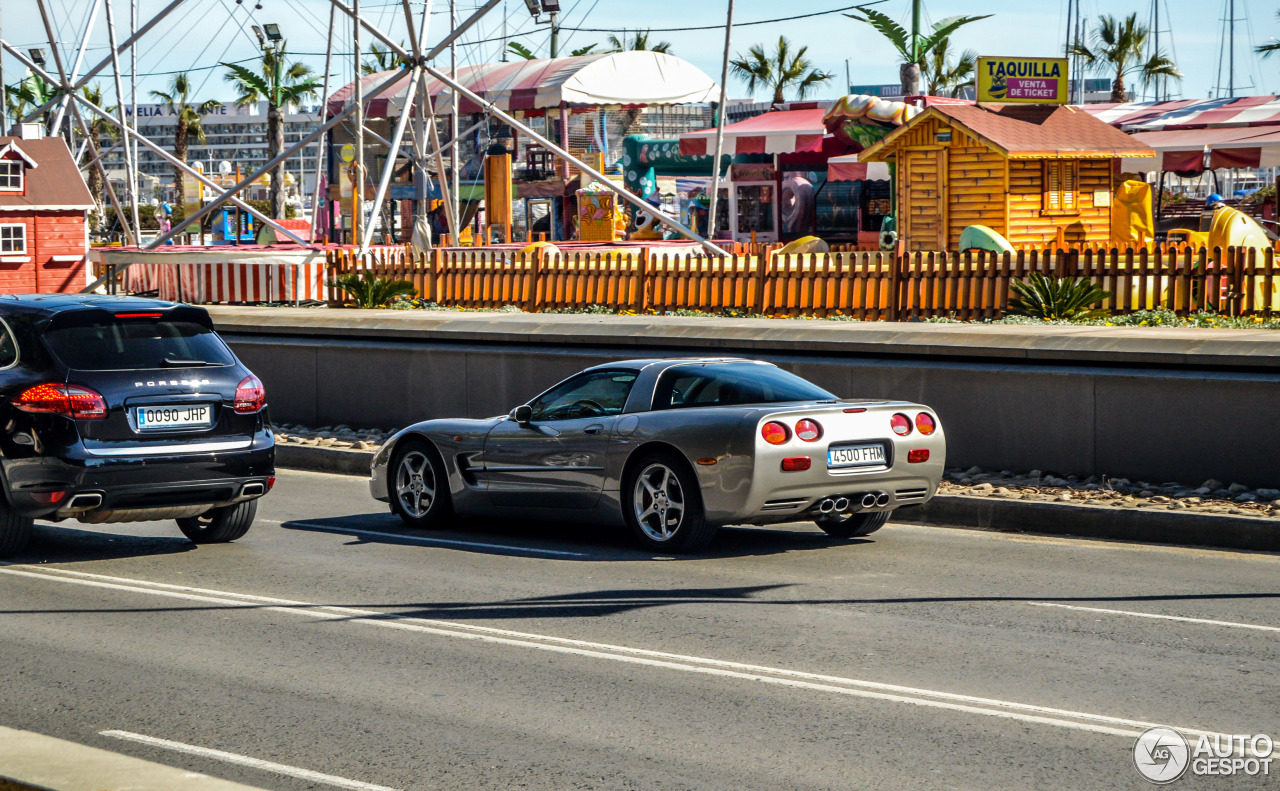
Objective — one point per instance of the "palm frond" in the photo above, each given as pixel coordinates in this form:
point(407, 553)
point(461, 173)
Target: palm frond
point(522, 50)
point(887, 27)
point(944, 28)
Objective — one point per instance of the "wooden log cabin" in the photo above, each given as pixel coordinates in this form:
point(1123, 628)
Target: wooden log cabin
point(1036, 174)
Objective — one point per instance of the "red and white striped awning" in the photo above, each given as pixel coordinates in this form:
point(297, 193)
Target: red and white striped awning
point(780, 132)
point(603, 79)
point(1190, 150)
point(1189, 113)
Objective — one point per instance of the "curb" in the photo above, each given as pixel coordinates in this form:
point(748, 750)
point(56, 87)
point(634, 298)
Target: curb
point(1141, 525)
point(35, 762)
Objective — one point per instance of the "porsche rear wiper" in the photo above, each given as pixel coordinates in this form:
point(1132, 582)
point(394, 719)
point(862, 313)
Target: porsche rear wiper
point(171, 363)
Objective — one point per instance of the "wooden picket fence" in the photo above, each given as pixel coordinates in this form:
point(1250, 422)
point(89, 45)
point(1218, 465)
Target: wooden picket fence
point(864, 285)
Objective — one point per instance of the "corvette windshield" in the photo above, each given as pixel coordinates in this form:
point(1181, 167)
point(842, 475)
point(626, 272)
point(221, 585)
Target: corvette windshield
point(730, 384)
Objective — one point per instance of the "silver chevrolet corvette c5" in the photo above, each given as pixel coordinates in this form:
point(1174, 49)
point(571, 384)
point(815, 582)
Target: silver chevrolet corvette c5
point(672, 449)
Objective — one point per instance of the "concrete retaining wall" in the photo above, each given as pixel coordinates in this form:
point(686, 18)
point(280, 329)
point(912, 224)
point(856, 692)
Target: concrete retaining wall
point(1154, 404)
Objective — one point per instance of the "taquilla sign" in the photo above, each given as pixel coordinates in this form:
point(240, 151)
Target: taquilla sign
point(1022, 80)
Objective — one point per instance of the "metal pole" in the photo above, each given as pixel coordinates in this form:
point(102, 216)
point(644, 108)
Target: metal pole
point(319, 198)
point(724, 92)
point(79, 61)
point(560, 152)
point(555, 35)
point(223, 196)
point(134, 185)
point(115, 72)
point(455, 174)
point(1231, 49)
point(357, 189)
point(83, 81)
point(389, 166)
point(4, 92)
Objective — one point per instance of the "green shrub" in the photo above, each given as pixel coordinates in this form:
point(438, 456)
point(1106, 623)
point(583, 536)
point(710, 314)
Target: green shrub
point(369, 291)
point(1063, 299)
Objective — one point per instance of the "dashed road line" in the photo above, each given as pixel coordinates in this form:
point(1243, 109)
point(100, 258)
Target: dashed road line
point(1157, 616)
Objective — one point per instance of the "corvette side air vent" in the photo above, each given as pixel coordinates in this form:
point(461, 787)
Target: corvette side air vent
point(910, 494)
point(782, 505)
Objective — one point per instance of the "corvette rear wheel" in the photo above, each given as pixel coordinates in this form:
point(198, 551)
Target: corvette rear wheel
point(419, 487)
point(663, 507)
point(221, 524)
point(853, 525)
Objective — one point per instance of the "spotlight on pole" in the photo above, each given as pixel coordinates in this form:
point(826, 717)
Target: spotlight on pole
point(534, 8)
point(551, 6)
point(257, 31)
point(37, 55)
point(273, 32)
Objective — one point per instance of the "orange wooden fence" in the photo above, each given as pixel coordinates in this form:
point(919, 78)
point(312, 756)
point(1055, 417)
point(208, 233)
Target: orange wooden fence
point(862, 285)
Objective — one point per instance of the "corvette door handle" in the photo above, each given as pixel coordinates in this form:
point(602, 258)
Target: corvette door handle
point(593, 429)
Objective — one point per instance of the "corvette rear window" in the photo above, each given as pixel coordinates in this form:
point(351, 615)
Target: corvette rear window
point(124, 345)
point(729, 384)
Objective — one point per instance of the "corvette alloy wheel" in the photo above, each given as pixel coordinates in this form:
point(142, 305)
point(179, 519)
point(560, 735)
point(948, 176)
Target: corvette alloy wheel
point(415, 484)
point(659, 502)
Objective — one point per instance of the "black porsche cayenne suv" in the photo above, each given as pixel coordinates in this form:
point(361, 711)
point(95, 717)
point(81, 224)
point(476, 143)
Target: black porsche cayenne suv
point(120, 409)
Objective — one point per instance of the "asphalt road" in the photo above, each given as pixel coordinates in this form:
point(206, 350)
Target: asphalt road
point(330, 640)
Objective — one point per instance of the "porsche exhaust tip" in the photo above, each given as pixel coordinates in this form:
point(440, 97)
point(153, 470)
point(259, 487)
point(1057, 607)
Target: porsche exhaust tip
point(869, 500)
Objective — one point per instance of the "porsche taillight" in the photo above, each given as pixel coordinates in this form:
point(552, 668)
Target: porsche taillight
point(251, 396)
point(774, 433)
point(73, 401)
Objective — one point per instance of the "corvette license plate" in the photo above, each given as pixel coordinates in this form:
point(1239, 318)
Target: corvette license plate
point(181, 416)
point(855, 456)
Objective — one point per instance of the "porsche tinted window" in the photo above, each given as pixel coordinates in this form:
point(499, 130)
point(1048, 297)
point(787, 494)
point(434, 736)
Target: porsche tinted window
point(590, 395)
point(122, 345)
point(8, 346)
point(729, 384)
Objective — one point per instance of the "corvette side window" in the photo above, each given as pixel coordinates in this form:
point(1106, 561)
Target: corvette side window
point(732, 384)
point(596, 394)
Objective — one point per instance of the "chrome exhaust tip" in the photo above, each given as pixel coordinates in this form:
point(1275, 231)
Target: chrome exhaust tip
point(827, 506)
point(83, 502)
point(253, 489)
point(882, 499)
point(841, 504)
point(869, 500)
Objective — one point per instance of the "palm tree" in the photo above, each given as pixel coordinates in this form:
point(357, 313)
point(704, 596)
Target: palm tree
point(186, 119)
point(637, 43)
point(520, 49)
point(943, 76)
point(1266, 50)
point(912, 47)
point(281, 84)
point(381, 59)
point(778, 72)
point(27, 94)
point(99, 129)
point(1117, 49)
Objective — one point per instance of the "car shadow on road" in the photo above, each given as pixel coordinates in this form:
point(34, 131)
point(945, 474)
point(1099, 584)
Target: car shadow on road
point(61, 544)
point(564, 541)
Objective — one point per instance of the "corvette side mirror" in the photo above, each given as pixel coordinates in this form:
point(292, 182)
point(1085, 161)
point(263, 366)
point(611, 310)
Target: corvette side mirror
point(522, 414)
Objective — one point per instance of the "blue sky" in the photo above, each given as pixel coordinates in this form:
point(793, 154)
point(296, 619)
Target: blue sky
point(202, 32)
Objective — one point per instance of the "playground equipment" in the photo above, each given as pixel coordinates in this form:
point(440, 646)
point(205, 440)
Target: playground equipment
point(600, 218)
point(805, 245)
point(864, 120)
point(1132, 223)
point(980, 237)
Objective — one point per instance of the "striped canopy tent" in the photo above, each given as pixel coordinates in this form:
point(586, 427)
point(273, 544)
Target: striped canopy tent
point(1189, 113)
point(778, 132)
point(596, 80)
point(1192, 151)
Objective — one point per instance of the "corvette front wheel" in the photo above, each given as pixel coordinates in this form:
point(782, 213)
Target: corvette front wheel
point(419, 487)
point(663, 507)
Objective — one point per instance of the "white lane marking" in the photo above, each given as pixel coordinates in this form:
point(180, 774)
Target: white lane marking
point(1157, 616)
point(425, 540)
point(244, 760)
point(1096, 723)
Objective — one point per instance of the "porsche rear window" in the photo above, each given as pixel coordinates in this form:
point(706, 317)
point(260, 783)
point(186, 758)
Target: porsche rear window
point(124, 345)
point(730, 384)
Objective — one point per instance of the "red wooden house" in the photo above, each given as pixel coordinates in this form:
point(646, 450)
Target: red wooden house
point(44, 207)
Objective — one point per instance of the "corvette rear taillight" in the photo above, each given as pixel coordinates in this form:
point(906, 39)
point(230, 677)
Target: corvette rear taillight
point(251, 396)
point(925, 423)
point(73, 401)
point(796, 463)
point(774, 433)
point(918, 455)
point(901, 424)
point(809, 430)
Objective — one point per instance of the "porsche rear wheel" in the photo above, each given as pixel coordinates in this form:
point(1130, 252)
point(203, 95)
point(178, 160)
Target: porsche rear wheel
point(220, 525)
point(852, 525)
point(15, 531)
point(419, 487)
point(662, 505)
